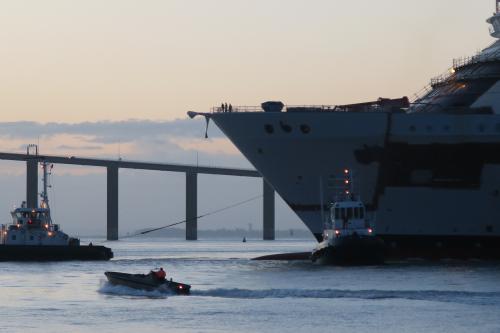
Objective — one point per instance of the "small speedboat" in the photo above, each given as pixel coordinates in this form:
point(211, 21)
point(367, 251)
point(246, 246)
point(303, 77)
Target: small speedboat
point(147, 282)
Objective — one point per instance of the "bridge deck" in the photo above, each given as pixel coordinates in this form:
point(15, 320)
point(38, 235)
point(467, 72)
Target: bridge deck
point(132, 164)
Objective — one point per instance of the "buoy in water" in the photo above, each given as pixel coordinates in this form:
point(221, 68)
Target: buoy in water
point(244, 240)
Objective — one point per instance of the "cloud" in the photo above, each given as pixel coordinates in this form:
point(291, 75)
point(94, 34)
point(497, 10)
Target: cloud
point(175, 141)
point(68, 147)
point(110, 131)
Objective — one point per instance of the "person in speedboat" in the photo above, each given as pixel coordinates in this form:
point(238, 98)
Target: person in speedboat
point(160, 274)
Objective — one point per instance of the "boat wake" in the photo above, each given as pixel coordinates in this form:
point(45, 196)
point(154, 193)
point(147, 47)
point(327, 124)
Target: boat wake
point(480, 298)
point(110, 289)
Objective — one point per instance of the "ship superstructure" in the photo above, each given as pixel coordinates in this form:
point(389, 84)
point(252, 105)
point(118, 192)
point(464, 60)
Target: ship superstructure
point(430, 166)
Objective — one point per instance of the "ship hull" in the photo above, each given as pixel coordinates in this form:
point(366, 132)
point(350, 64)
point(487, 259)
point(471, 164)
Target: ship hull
point(428, 178)
point(53, 253)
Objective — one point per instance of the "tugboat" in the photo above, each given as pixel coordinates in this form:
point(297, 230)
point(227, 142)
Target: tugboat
point(349, 237)
point(149, 282)
point(33, 236)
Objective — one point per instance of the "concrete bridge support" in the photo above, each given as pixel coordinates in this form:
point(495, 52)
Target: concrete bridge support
point(112, 202)
point(191, 206)
point(32, 183)
point(268, 208)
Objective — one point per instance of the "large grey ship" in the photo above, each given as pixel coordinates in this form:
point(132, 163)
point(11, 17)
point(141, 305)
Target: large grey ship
point(428, 168)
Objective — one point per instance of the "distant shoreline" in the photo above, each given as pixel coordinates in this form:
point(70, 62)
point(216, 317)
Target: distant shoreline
point(235, 234)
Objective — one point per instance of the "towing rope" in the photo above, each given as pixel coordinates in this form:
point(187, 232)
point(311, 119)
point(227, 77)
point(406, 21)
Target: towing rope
point(197, 217)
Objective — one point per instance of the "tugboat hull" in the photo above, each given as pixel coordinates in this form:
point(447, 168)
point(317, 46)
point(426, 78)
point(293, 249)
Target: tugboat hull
point(351, 251)
point(53, 253)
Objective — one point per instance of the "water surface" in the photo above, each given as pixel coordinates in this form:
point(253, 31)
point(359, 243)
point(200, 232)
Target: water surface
point(232, 293)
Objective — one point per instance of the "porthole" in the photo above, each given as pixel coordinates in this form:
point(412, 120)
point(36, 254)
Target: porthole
point(285, 127)
point(269, 128)
point(305, 128)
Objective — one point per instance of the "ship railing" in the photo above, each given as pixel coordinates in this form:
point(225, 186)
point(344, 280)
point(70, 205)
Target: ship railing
point(239, 108)
point(420, 94)
point(457, 64)
point(480, 57)
point(293, 108)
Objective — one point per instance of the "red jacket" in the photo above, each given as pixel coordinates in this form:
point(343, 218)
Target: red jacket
point(161, 274)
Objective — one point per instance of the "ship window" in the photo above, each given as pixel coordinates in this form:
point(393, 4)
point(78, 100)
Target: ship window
point(269, 128)
point(337, 213)
point(481, 128)
point(412, 128)
point(13, 237)
point(356, 212)
point(428, 128)
point(31, 238)
point(361, 213)
point(349, 212)
point(489, 228)
point(446, 128)
point(305, 128)
point(497, 127)
point(260, 151)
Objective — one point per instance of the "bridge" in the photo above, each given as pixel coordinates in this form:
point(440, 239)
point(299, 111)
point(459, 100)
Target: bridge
point(113, 166)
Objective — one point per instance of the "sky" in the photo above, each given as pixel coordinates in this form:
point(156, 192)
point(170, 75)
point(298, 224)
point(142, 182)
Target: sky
point(114, 78)
point(74, 61)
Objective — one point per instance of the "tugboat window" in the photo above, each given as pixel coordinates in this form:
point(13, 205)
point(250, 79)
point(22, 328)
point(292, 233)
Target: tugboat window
point(269, 128)
point(349, 212)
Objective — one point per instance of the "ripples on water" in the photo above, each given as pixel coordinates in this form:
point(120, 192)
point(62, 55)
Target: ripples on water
point(232, 293)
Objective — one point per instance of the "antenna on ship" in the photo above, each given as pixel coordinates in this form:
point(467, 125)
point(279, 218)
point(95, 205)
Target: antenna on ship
point(495, 21)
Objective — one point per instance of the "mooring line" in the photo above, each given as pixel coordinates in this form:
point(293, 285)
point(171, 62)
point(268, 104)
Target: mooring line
point(197, 217)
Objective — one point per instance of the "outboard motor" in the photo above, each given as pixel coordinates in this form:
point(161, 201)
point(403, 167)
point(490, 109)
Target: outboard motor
point(272, 106)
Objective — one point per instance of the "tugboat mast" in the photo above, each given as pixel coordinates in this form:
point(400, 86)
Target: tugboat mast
point(44, 195)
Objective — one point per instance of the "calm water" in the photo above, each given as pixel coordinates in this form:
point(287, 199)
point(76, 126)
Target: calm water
point(232, 293)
